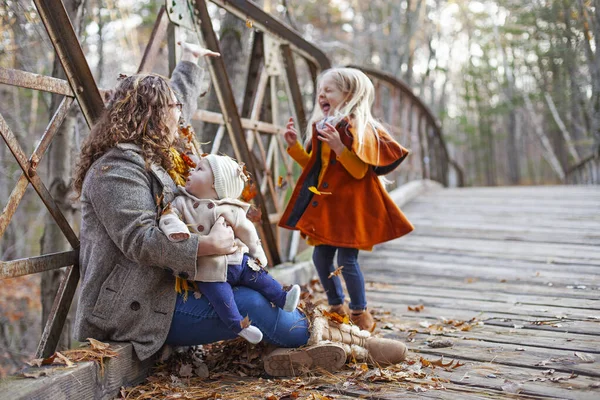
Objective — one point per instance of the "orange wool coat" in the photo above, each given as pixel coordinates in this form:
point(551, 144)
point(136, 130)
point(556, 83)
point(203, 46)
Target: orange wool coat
point(358, 213)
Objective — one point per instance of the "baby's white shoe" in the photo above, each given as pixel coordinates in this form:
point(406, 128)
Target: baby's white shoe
point(292, 299)
point(251, 334)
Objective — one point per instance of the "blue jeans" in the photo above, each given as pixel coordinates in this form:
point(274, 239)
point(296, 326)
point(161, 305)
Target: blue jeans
point(195, 321)
point(220, 294)
point(355, 282)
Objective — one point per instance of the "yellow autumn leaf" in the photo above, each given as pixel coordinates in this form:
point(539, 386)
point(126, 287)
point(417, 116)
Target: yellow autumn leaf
point(316, 191)
point(337, 272)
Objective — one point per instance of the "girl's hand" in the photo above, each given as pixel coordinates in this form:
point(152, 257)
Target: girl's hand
point(219, 241)
point(290, 135)
point(330, 135)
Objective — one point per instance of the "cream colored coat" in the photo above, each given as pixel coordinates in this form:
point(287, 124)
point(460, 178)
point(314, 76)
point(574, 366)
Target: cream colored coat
point(190, 214)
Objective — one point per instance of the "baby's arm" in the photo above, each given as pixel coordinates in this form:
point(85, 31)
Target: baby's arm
point(171, 224)
point(244, 230)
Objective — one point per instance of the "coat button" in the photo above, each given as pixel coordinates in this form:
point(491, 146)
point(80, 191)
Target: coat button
point(134, 306)
point(210, 205)
point(325, 185)
point(167, 222)
point(200, 228)
point(184, 275)
point(333, 161)
point(315, 203)
point(196, 204)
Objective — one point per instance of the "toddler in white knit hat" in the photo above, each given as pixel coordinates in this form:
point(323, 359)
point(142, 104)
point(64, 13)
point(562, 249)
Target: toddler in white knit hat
point(211, 191)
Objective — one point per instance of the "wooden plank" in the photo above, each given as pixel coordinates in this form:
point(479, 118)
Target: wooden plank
point(431, 283)
point(467, 293)
point(460, 229)
point(85, 381)
point(507, 249)
point(433, 313)
point(432, 300)
point(507, 335)
point(489, 378)
point(471, 272)
point(530, 357)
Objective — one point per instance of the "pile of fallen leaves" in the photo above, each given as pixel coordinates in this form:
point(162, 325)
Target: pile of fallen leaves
point(97, 352)
point(234, 370)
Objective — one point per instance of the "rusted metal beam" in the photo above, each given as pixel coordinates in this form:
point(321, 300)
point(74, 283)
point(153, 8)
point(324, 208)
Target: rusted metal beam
point(30, 80)
point(257, 55)
point(267, 23)
point(58, 314)
point(59, 28)
point(224, 93)
point(293, 85)
point(156, 37)
point(255, 125)
point(28, 169)
point(33, 265)
point(36, 156)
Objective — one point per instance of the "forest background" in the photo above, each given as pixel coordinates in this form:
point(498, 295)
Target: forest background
point(515, 85)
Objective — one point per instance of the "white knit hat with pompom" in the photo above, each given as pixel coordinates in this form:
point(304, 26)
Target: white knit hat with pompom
point(229, 176)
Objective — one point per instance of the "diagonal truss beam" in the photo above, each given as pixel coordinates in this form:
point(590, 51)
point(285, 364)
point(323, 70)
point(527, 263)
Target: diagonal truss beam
point(59, 28)
point(224, 92)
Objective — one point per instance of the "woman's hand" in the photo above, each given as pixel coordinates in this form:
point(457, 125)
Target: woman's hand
point(290, 135)
point(219, 241)
point(192, 52)
point(330, 135)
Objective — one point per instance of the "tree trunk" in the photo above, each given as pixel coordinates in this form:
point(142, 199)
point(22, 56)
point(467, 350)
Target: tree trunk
point(59, 174)
point(233, 42)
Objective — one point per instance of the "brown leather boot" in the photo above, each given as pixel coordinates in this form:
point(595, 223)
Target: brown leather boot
point(341, 309)
point(363, 319)
point(359, 344)
point(294, 362)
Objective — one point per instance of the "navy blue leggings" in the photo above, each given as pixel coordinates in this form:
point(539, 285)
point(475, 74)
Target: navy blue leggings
point(355, 283)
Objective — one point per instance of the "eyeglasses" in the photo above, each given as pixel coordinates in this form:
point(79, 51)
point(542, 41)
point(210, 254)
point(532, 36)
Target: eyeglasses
point(178, 105)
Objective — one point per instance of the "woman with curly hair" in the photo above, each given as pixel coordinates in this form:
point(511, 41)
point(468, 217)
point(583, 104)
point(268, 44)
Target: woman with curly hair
point(129, 267)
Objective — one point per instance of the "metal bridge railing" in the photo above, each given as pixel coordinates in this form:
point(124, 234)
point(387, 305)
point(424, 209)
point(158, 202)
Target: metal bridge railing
point(256, 138)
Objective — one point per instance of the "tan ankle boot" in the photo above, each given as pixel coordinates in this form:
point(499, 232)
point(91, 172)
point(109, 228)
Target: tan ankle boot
point(359, 344)
point(294, 362)
point(363, 319)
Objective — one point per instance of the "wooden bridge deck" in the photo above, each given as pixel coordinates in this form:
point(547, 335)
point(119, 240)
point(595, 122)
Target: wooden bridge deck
point(525, 263)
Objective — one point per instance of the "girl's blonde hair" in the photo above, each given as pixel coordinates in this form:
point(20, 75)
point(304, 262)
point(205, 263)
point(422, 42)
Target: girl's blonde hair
point(137, 113)
point(359, 96)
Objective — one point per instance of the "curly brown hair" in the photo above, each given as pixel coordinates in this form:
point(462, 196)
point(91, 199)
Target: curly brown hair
point(137, 113)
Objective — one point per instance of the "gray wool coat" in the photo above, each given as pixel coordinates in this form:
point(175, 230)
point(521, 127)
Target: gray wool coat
point(128, 266)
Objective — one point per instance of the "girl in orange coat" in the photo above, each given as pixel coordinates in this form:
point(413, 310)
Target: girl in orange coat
point(339, 202)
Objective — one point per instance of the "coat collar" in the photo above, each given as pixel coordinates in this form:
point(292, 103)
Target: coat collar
point(159, 173)
point(234, 202)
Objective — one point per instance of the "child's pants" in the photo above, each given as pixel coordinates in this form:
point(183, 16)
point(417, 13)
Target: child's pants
point(220, 294)
point(355, 283)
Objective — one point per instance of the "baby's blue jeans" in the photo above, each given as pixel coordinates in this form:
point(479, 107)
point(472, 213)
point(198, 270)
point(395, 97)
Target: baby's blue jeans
point(355, 282)
point(196, 321)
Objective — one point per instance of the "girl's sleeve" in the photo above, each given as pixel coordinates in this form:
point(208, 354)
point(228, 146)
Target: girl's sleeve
point(297, 152)
point(354, 165)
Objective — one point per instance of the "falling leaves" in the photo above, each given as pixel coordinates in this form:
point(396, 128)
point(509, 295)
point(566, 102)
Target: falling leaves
point(316, 191)
point(335, 317)
point(337, 272)
point(249, 191)
point(249, 23)
point(245, 322)
point(417, 308)
point(281, 183)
